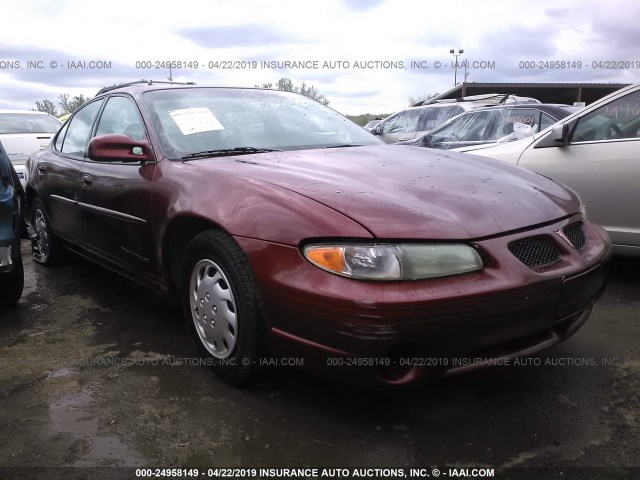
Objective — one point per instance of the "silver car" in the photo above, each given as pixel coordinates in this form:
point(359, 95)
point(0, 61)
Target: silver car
point(595, 151)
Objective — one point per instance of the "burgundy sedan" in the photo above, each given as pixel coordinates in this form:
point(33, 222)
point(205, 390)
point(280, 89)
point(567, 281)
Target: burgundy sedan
point(290, 232)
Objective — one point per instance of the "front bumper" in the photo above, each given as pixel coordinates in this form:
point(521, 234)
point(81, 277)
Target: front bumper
point(397, 333)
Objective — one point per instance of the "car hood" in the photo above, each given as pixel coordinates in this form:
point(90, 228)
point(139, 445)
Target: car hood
point(411, 192)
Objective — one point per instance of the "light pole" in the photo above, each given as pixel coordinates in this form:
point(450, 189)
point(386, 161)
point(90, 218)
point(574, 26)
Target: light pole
point(455, 66)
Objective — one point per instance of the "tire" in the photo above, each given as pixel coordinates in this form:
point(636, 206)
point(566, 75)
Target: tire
point(223, 308)
point(12, 283)
point(44, 245)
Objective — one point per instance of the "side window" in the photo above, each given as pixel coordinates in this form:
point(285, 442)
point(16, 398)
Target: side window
point(545, 121)
point(436, 116)
point(617, 119)
point(60, 138)
point(412, 121)
point(429, 119)
point(516, 123)
point(121, 115)
point(77, 137)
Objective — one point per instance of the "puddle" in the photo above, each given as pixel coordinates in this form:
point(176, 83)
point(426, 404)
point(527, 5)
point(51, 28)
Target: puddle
point(63, 372)
point(72, 415)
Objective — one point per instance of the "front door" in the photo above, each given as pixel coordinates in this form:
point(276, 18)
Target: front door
point(115, 197)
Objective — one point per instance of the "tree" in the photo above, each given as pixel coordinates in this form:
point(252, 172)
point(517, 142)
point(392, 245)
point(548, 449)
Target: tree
point(286, 85)
point(421, 98)
point(47, 106)
point(67, 104)
point(70, 106)
point(312, 93)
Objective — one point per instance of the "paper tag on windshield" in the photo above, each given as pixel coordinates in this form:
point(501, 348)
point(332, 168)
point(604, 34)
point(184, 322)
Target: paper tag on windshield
point(195, 120)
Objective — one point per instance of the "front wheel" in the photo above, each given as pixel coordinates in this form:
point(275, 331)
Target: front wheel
point(223, 308)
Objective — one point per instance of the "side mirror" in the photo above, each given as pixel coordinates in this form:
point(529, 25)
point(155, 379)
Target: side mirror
point(560, 134)
point(120, 148)
point(377, 130)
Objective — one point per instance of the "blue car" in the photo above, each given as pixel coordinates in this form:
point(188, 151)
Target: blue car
point(11, 195)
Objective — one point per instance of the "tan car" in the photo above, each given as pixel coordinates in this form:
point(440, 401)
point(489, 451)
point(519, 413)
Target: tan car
point(416, 121)
point(595, 151)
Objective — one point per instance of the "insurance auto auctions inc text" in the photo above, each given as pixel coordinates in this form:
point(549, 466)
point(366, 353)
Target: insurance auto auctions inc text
point(354, 473)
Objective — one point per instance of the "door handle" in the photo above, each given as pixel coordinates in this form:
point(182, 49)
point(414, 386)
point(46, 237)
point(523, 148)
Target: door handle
point(86, 180)
point(42, 169)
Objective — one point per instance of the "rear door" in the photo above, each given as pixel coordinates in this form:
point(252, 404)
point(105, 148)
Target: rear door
point(57, 175)
point(115, 197)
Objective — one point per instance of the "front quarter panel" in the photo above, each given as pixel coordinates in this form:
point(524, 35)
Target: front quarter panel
point(244, 207)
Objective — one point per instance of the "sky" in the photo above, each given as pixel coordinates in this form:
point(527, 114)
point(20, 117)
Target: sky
point(364, 56)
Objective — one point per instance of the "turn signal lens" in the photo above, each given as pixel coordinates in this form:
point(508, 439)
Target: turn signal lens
point(329, 258)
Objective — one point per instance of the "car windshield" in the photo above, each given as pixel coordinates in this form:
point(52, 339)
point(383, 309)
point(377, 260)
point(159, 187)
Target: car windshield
point(28, 123)
point(194, 120)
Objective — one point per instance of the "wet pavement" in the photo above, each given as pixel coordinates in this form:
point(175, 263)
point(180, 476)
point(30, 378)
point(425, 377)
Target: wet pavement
point(68, 397)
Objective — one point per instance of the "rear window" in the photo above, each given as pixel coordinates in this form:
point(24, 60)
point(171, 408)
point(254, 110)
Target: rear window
point(28, 123)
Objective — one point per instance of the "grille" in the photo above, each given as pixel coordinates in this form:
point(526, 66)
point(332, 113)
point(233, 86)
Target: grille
point(535, 252)
point(575, 235)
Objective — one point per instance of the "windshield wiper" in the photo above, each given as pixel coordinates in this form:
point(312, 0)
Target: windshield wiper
point(228, 151)
point(346, 145)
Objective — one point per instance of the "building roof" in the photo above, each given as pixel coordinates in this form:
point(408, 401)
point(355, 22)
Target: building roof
point(555, 92)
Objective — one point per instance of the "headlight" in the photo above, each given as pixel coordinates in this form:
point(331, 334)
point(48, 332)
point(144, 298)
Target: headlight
point(394, 262)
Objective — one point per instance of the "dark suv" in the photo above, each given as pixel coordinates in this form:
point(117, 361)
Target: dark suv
point(11, 272)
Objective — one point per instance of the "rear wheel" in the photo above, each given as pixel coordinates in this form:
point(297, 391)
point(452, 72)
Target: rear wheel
point(12, 283)
point(222, 307)
point(44, 244)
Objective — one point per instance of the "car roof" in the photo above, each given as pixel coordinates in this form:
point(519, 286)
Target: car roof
point(142, 86)
point(539, 106)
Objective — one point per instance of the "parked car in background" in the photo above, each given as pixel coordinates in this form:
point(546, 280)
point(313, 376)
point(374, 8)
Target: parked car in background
point(595, 151)
point(11, 271)
point(370, 125)
point(416, 121)
point(491, 125)
point(23, 132)
point(307, 236)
